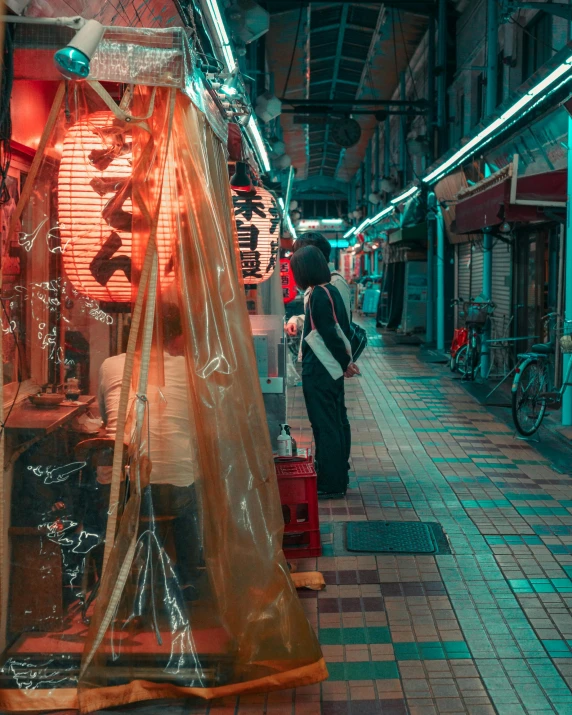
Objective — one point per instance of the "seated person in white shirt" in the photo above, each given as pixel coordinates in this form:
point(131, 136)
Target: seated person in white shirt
point(172, 446)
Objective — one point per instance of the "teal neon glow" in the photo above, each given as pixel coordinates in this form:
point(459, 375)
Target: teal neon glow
point(525, 102)
point(259, 146)
point(72, 63)
point(332, 221)
point(222, 34)
point(363, 225)
point(381, 214)
point(349, 233)
point(413, 191)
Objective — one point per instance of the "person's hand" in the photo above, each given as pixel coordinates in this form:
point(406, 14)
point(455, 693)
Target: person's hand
point(352, 370)
point(292, 329)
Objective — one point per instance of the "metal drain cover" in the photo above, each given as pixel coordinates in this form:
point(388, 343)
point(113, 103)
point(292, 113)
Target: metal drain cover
point(405, 537)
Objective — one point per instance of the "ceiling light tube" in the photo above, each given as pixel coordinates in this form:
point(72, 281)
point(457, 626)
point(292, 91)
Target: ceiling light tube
point(405, 195)
point(349, 233)
point(258, 143)
point(220, 28)
point(332, 221)
point(363, 225)
point(381, 214)
point(486, 133)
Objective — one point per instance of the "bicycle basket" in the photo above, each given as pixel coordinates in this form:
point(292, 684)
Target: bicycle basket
point(566, 343)
point(477, 313)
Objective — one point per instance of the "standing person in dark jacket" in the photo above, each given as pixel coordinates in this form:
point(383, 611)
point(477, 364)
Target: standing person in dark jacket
point(324, 396)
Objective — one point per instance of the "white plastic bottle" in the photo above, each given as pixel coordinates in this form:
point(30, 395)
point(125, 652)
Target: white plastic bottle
point(284, 443)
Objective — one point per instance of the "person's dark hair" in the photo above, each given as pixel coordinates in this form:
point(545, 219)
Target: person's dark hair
point(309, 267)
point(172, 325)
point(313, 238)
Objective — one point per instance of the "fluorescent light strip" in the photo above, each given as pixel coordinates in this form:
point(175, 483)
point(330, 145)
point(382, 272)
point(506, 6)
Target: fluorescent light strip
point(332, 221)
point(281, 202)
point(405, 195)
point(500, 121)
point(381, 214)
point(362, 225)
point(349, 233)
point(291, 227)
point(258, 141)
point(222, 35)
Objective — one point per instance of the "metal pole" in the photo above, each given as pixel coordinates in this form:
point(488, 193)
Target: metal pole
point(567, 397)
point(431, 230)
point(368, 175)
point(559, 300)
point(492, 56)
point(440, 280)
point(377, 157)
point(387, 147)
point(431, 90)
point(442, 79)
point(402, 135)
point(487, 293)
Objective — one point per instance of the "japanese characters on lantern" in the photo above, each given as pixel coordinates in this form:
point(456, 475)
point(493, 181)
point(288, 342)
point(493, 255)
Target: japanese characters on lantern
point(289, 289)
point(258, 226)
point(95, 210)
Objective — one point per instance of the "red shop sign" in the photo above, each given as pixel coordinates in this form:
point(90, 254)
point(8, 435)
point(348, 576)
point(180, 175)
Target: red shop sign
point(289, 289)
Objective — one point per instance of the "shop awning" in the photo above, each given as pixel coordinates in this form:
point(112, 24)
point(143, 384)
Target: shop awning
point(413, 236)
point(506, 197)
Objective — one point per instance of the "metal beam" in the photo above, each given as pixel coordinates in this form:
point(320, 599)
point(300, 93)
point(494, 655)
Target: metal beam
point(416, 7)
point(321, 111)
point(341, 34)
point(418, 103)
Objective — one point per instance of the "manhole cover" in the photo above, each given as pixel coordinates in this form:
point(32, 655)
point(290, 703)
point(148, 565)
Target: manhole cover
point(408, 537)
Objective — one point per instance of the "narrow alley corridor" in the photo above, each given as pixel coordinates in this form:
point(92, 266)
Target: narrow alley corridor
point(485, 629)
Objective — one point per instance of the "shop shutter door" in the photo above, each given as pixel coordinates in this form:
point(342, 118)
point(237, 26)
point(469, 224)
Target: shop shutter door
point(477, 261)
point(501, 290)
point(464, 270)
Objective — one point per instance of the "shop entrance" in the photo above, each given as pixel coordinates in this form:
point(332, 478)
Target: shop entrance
point(536, 278)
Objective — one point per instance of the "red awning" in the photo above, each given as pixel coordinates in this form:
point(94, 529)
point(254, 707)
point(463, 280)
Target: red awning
point(489, 203)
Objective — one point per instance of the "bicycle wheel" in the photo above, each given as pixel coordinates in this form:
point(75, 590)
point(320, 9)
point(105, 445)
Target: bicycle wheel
point(467, 362)
point(528, 407)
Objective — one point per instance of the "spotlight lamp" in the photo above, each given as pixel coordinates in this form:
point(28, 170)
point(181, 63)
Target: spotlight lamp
point(72, 61)
point(240, 180)
point(231, 86)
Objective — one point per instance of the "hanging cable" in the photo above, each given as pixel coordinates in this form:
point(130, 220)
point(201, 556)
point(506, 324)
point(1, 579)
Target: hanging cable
point(294, 49)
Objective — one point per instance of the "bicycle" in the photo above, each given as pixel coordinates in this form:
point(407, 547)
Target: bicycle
point(477, 316)
point(460, 338)
point(532, 392)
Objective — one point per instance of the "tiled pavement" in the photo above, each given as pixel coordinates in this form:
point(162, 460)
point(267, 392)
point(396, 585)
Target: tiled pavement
point(487, 629)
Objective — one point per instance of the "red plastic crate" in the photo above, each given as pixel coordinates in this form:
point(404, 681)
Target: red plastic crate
point(297, 483)
point(302, 545)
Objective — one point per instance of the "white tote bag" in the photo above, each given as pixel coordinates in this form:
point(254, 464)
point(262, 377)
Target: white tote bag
point(318, 346)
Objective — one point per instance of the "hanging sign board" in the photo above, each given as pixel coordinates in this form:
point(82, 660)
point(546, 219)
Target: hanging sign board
point(289, 289)
point(258, 226)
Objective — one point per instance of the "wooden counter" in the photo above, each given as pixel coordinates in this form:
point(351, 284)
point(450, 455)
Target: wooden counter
point(40, 420)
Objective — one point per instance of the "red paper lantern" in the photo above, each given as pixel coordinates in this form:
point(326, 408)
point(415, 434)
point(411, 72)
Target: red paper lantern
point(289, 288)
point(258, 225)
point(95, 210)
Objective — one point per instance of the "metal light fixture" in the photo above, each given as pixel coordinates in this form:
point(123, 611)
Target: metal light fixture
point(231, 85)
point(72, 61)
point(240, 180)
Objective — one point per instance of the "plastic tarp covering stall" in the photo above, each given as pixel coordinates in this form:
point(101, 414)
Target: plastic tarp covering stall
point(141, 533)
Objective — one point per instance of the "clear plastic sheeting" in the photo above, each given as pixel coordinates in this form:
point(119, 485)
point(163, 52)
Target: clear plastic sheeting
point(141, 533)
point(130, 55)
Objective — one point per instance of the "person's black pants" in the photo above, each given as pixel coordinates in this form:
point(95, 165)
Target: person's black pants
point(327, 413)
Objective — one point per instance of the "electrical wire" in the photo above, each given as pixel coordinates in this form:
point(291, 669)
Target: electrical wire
point(20, 369)
point(294, 48)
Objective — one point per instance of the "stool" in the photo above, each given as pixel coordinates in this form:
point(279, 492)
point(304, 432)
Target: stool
point(298, 487)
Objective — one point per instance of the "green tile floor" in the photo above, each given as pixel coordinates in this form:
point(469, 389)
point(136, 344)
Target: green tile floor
point(486, 629)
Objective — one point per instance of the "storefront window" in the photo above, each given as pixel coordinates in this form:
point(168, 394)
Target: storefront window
point(14, 279)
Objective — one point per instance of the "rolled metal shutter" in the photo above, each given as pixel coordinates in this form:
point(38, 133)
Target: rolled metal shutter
point(502, 287)
point(477, 262)
point(464, 270)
